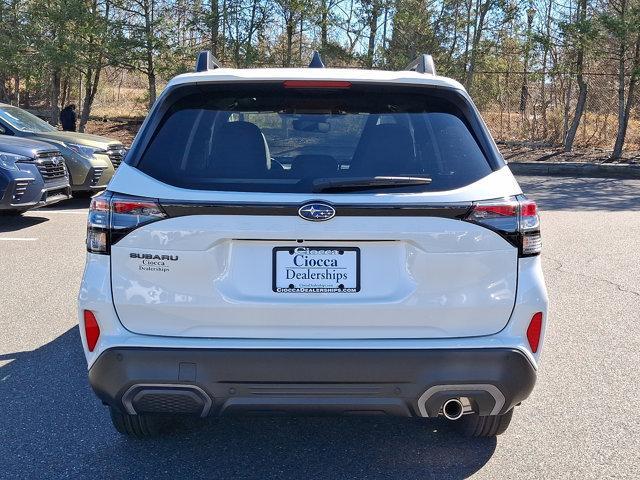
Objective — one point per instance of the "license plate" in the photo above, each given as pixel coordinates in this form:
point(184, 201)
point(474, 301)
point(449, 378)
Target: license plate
point(316, 269)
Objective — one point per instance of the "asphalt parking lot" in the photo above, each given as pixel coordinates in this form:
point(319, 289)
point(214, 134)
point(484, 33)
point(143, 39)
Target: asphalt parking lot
point(582, 420)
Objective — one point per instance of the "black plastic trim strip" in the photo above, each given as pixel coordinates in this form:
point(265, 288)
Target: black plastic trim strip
point(174, 208)
point(309, 370)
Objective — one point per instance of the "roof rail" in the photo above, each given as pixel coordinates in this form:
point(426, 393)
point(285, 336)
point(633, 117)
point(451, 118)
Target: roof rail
point(423, 64)
point(316, 60)
point(206, 61)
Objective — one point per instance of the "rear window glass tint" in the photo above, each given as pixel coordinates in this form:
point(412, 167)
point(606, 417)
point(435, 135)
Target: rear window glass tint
point(271, 139)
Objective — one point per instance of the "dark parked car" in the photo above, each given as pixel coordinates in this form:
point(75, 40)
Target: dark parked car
point(32, 174)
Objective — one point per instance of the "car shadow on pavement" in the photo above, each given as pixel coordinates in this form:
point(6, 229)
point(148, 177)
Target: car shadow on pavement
point(14, 223)
point(582, 194)
point(74, 203)
point(52, 426)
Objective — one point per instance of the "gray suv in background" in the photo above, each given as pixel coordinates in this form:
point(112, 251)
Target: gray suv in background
point(32, 174)
point(91, 159)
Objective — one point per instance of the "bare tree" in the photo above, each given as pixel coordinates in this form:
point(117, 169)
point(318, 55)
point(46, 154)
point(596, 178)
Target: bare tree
point(95, 55)
point(622, 24)
point(582, 84)
point(371, 13)
point(479, 22)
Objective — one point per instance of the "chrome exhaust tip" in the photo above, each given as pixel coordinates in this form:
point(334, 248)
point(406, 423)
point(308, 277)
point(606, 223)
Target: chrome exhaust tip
point(453, 409)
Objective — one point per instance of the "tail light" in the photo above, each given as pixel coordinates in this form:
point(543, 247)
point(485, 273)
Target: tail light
point(91, 329)
point(514, 218)
point(112, 216)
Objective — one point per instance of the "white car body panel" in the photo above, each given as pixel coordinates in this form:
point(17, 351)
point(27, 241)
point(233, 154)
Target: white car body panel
point(95, 295)
point(442, 278)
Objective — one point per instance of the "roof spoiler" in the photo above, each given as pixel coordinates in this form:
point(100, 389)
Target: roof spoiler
point(206, 61)
point(423, 64)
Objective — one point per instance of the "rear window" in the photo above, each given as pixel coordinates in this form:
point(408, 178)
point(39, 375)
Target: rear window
point(262, 138)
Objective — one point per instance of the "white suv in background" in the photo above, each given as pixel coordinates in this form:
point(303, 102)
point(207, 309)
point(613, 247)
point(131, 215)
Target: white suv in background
point(313, 241)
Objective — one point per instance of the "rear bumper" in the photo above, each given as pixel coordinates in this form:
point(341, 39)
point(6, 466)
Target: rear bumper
point(205, 382)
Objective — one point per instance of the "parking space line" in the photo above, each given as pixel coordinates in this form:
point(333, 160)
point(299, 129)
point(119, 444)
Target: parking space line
point(85, 212)
point(19, 239)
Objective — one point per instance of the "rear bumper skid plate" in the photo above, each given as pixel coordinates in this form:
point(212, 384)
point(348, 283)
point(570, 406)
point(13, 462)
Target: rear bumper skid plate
point(205, 382)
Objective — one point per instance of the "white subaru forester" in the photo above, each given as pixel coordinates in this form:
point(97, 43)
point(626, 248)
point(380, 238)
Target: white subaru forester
point(313, 240)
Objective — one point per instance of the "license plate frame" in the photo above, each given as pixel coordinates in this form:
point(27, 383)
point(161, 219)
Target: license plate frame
point(310, 290)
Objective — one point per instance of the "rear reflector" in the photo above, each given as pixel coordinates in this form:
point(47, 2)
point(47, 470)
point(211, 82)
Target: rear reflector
point(534, 330)
point(316, 84)
point(91, 329)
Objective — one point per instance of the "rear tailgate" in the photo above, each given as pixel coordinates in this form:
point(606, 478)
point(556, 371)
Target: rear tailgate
point(413, 268)
point(213, 276)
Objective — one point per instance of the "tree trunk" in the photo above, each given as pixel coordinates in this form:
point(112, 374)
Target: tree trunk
point(290, 33)
point(454, 42)
point(92, 81)
point(577, 115)
point(622, 128)
point(151, 77)
point(566, 104)
point(384, 27)
point(214, 26)
point(236, 45)
point(252, 26)
point(324, 25)
point(149, 41)
point(222, 46)
point(86, 102)
point(621, 99)
point(543, 80)
point(582, 85)
point(64, 91)
point(467, 36)
point(623, 120)
point(4, 97)
point(300, 44)
point(524, 89)
point(54, 113)
point(16, 89)
point(480, 18)
point(373, 30)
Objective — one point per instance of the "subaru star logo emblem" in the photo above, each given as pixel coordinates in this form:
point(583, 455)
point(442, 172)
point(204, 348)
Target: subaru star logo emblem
point(317, 212)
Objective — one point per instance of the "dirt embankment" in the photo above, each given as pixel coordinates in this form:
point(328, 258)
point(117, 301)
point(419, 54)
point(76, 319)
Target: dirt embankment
point(125, 130)
point(518, 152)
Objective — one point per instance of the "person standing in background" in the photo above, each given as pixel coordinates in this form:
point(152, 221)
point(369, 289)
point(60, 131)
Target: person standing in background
point(68, 118)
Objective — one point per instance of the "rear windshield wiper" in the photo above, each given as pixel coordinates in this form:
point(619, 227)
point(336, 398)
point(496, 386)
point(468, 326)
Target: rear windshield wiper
point(364, 183)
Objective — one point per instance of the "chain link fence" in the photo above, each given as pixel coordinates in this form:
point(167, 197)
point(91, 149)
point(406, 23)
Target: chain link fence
point(537, 108)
